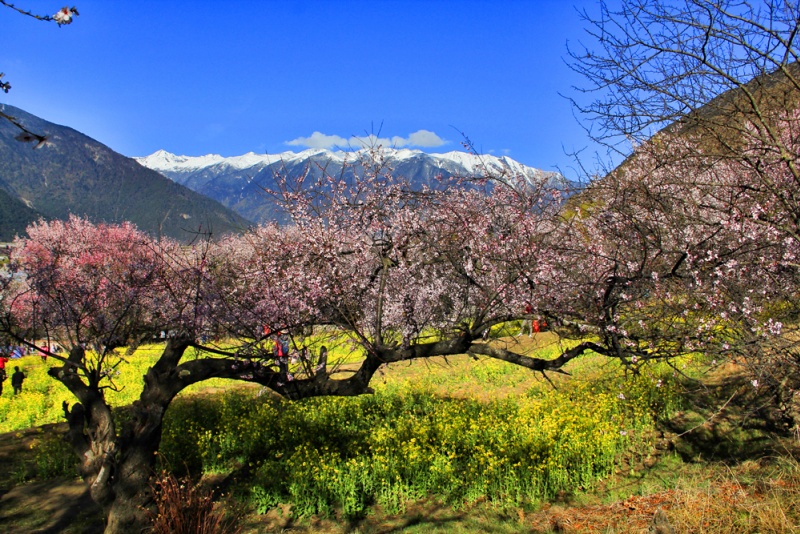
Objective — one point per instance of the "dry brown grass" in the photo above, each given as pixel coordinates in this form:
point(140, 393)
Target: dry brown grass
point(752, 497)
point(186, 507)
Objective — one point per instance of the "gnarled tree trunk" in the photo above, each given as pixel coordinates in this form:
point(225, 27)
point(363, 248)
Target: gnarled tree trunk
point(118, 465)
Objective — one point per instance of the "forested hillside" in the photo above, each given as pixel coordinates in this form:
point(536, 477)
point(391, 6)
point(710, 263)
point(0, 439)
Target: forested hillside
point(74, 174)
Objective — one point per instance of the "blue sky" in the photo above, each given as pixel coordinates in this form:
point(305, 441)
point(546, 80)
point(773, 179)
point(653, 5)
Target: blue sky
point(232, 77)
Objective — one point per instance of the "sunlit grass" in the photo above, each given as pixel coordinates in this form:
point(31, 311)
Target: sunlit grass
point(42, 396)
point(462, 429)
point(407, 441)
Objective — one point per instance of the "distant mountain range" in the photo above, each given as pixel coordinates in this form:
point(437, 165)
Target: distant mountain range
point(74, 174)
point(179, 196)
point(239, 182)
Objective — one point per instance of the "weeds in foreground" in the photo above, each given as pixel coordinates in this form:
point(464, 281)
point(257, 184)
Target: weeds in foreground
point(711, 498)
point(184, 507)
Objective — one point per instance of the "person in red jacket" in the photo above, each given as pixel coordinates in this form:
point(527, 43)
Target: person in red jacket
point(3, 376)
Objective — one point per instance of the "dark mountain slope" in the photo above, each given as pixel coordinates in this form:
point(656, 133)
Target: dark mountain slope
point(74, 174)
point(14, 214)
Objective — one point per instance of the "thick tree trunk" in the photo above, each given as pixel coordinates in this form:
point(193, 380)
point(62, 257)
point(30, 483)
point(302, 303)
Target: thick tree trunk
point(127, 513)
point(139, 442)
point(127, 517)
point(118, 466)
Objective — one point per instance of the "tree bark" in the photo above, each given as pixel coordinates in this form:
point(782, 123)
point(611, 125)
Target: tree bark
point(127, 513)
point(118, 466)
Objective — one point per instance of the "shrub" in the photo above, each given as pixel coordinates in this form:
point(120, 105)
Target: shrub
point(184, 507)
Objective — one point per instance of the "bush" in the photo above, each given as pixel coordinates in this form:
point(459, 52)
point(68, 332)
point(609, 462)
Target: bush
point(183, 507)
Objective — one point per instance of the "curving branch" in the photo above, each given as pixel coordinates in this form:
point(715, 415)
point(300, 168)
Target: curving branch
point(62, 17)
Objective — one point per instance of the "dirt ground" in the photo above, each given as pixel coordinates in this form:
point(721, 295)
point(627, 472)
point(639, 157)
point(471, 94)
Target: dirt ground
point(53, 506)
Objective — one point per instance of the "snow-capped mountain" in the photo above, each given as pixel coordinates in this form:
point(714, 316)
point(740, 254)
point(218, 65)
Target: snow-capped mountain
point(238, 182)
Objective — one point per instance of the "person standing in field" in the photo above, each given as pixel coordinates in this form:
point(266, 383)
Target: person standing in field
point(322, 362)
point(526, 322)
point(3, 376)
point(282, 355)
point(16, 380)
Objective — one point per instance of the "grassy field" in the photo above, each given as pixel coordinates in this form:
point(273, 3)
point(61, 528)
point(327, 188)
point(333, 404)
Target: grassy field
point(453, 444)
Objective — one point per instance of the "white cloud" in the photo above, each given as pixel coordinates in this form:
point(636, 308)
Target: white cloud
point(420, 138)
point(425, 138)
point(318, 140)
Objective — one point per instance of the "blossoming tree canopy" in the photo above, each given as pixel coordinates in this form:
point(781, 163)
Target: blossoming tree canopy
point(644, 268)
point(689, 251)
point(702, 95)
point(654, 261)
point(85, 284)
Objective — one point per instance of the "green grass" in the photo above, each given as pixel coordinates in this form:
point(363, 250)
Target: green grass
point(42, 396)
point(402, 444)
point(460, 430)
point(451, 445)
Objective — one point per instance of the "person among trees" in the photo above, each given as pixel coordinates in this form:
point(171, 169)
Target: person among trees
point(538, 325)
point(526, 322)
point(3, 376)
point(16, 380)
point(302, 357)
point(282, 355)
point(322, 362)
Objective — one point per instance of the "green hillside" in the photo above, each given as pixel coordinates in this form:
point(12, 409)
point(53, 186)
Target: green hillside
point(14, 216)
point(74, 174)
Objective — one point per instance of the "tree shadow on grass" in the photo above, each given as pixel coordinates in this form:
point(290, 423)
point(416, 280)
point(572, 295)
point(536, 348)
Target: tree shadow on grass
point(728, 420)
point(51, 507)
point(431, 516)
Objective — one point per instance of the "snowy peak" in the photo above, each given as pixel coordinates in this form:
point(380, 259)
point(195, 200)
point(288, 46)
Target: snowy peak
point(454, 162)
point(239, 182)
point(161, 160)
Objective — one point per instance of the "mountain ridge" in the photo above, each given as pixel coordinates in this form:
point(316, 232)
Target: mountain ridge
point(238, 182)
